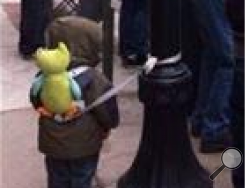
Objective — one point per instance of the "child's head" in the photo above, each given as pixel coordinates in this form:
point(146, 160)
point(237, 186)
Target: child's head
point(82, 36)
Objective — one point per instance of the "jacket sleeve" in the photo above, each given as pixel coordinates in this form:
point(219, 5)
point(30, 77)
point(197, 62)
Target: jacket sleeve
point(107, 113)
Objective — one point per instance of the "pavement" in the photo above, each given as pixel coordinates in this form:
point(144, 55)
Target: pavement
point(21, 163)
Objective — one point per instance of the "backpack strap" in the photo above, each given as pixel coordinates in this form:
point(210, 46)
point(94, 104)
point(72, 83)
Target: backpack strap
point(77, 71)
point(74, 86)
point(37, 85)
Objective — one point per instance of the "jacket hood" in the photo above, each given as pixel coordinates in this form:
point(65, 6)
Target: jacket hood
point(82, 36)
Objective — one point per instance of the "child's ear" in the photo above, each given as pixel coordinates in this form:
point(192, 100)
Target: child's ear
point(63, 47)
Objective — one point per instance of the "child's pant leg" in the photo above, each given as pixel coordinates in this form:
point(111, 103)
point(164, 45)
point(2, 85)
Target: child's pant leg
point(75, 173)
point(58, 172)
point(82, 171)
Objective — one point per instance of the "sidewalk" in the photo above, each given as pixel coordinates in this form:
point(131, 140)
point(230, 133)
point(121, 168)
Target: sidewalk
point(16, 74)
point(22, 165)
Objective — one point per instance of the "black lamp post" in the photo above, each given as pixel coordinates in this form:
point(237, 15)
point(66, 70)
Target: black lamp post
point(165, 158)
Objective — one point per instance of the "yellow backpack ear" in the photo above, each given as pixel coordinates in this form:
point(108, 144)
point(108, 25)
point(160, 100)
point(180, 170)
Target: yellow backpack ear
point(62, 46)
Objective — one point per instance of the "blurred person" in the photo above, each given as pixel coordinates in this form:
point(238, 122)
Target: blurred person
point(133, 32)
point(91, 9)
point(211, 117)
point(35, 16)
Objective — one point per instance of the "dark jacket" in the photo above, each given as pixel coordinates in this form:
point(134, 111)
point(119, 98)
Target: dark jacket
point(81, 136)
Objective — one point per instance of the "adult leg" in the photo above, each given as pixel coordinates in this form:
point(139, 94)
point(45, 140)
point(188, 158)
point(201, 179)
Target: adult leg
point(35, 15)
point(91, 9)
point(216, 75)
point(133, 30)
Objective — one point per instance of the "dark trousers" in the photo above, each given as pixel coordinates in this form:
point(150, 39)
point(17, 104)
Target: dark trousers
point(35, 15)
point(91, 9)
point(212, 111)
point(133, 29)
point(75, 173)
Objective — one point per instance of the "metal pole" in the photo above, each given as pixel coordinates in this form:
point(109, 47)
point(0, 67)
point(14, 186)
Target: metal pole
point(108, 39)
point(165, 158)
point(165, 28)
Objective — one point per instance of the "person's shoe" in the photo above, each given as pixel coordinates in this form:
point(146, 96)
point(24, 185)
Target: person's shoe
point(141, 59)
point(26, 56)
point(196, 131)
point(26, 52)
point(195, 127)
point(133, 60)
point(217, 144)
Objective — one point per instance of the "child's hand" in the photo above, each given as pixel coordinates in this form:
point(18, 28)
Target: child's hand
point(44, 112)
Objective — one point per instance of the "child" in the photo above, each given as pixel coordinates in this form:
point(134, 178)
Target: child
point(72, 147)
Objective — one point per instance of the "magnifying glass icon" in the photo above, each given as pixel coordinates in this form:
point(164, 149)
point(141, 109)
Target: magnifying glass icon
point(231, 159)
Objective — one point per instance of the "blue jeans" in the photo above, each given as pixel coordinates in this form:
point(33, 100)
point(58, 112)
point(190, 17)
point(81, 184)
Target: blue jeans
point(75, 173)
point(133, 28)
point(212, 112)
